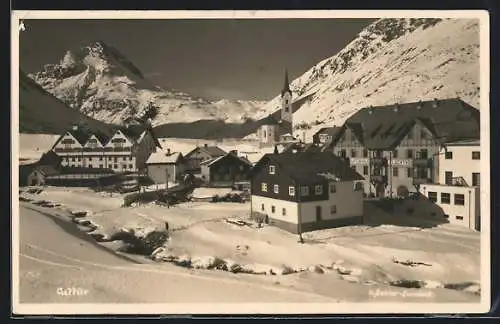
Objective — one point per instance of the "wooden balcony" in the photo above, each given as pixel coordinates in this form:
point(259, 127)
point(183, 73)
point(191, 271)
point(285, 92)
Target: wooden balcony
point(421, 181)
point(378, 179)
point(422, 162)
point(379, 161)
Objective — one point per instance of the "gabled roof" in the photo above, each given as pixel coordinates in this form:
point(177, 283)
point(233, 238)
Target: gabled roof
point(213, 151)
point(310, 167)
point(162, 157)
point(383, 127)
point(212, 161)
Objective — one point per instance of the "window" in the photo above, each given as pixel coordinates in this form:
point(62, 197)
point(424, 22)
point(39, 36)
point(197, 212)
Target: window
point(432, 195)
point(318, 189)
point(459, 199)
point(318, 213)
point(343, 153)
point(395, 171)
point(262, 207)
point(476, 179)
point(130, 166)
point(304, 191)
point(291, 191)
point(423, 134)
point(365, 170)
point(116, 159)
point(353, 153)
point(333, 188)
point(365, 153)
point(100, 158)
point(395, 154)
point(333, 209)
point(272, 169)
point(358, 186)
point(445, 198)
point(409, 153)
point(73, 159)
point(101, 166)
point(448, 177)
point(423, 154)
point(264, 187)
point(276, 188)
point(476, 155)
point(130, 158)
point(115, 166)
point(90, 165)
point(448, 155)
point(273, 209)
point(446, 216)
point(124, 158)
point(459, 217)
point(409, 172)
point(283, 211)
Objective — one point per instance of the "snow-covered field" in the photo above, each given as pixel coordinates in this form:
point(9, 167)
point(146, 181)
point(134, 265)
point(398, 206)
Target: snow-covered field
point(349, 263)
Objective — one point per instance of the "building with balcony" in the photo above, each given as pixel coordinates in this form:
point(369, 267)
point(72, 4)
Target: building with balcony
point(305, 191)
point(396, 148)
point(124, 150)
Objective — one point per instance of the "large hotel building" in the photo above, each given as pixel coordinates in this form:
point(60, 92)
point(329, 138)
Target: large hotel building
point(396, 148)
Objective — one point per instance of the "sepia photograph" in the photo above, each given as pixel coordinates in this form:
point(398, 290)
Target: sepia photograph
point(234, 162)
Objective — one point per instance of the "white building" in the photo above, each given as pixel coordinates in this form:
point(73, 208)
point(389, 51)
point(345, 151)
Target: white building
point(124, 150)
point(305, 191)
point(165, 164)
point(458, 193)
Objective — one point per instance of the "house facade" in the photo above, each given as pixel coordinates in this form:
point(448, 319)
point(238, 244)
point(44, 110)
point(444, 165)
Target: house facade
point(200, 154)
point(226, 170)
point(301, 191)
point(458, 194)
point(396, 148)
point(125, 150)
point(163, 165)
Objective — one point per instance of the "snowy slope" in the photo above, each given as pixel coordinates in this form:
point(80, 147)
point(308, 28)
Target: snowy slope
point(41, 112)
point(392, 60)
point(102, 83)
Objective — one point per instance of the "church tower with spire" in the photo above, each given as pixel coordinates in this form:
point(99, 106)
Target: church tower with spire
point(286, 103)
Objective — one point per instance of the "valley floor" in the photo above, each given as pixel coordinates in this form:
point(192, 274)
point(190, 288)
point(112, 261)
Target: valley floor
point(374, 261)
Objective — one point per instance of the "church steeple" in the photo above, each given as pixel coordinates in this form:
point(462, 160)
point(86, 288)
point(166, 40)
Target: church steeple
point(286, 86)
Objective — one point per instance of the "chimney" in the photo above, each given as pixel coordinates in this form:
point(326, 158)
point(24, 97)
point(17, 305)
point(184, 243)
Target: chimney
point(419, 105)
point(206, 145)
point(435, 103)
point(370, 110)
point(75, 127)
point(168, 151)
point(234, 152)
point(396, 107)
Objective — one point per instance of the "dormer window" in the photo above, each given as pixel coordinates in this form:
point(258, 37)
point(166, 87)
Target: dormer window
point(291, 191)
point(276, 189)
point(272, 169)
point(318, 190)
point(304, 191)
point(264, 187)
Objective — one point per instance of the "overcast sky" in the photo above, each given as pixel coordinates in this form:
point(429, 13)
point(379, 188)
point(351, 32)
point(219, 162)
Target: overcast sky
point(233, 59)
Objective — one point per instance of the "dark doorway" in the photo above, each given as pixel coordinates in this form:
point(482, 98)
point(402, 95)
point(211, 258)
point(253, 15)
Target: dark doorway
point(318, 213)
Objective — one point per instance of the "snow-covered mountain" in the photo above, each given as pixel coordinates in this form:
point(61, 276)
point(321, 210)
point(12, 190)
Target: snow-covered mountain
point(40, 112)
point(102, 83)
point(391, 60)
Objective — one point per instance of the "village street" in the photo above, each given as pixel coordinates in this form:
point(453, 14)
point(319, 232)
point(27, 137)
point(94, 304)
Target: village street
point(58, 263)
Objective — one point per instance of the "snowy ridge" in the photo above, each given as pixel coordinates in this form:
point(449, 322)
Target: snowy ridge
point(100, 82)
point(392, 60)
